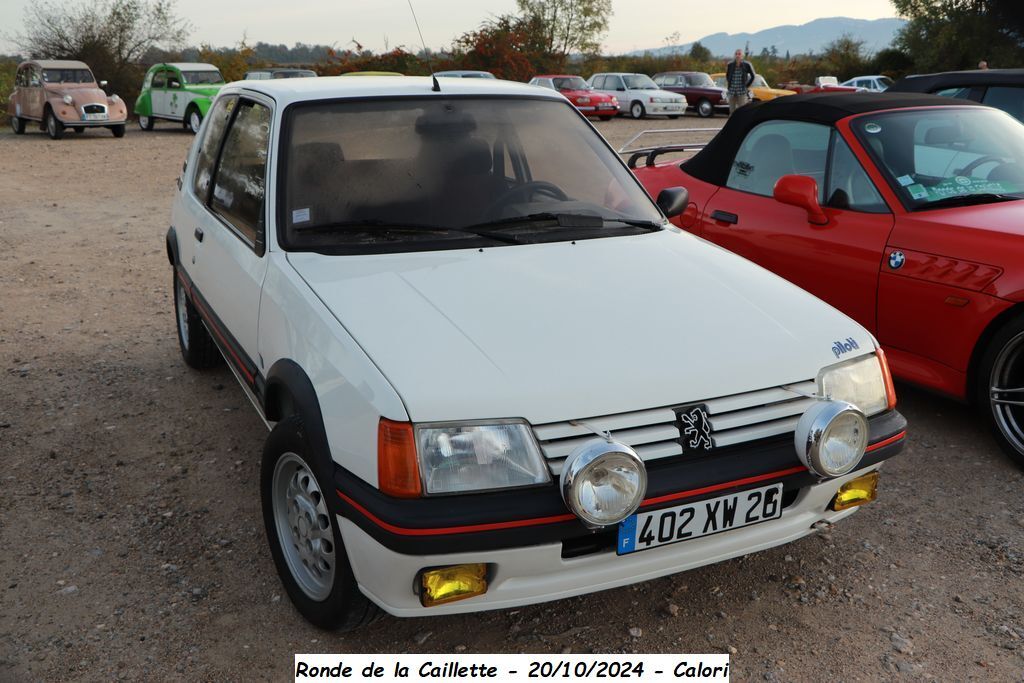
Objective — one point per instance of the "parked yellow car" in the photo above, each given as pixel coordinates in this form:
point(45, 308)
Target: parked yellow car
point(761, 90)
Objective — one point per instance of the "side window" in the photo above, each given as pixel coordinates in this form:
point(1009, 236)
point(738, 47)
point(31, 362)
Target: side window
point(34, 77)
point(212, 136)
point(1009, 99)
point(849, 186)
point(960, 93)
point(660, 80)
point(616, 83)
point(777, 148)
point(160, 79)
point(19, 78)
point(547, 83)
point(240, 181)
point(599, 83)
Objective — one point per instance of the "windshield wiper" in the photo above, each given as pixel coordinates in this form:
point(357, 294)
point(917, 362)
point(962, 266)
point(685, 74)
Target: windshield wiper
point(968, 200)
point(387, 228)
point(570, 220)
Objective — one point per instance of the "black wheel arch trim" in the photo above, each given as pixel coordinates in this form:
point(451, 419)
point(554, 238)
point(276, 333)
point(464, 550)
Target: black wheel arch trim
point(993, 327)
point(172, 246)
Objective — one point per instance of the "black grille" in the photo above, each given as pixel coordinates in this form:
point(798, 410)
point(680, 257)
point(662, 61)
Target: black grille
point(94, 109)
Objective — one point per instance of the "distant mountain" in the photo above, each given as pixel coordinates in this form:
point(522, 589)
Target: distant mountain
point(810, 37)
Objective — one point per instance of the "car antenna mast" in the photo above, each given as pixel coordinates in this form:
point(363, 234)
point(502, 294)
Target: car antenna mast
point(426, 52)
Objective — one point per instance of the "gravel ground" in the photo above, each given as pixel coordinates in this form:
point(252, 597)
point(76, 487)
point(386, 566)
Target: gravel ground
point(129, 509)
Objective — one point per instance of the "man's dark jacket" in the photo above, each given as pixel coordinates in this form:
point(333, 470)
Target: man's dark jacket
point(748, 71)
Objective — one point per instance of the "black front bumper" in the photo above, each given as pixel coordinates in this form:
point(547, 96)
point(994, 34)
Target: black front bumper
point(534, 516)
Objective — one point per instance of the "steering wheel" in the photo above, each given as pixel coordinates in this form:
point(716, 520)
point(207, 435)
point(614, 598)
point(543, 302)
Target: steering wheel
point(526, 191)
point(987, 159)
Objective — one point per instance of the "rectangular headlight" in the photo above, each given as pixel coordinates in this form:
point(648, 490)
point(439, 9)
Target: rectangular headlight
point(858, 381)
point(462, 457)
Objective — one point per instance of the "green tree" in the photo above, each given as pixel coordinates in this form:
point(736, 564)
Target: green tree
point(844, 57)
point(567, 26)
point(699, 53)
point(956, 34)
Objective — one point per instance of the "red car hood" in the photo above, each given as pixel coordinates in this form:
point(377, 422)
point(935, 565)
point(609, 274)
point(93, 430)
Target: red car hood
point(594, 96)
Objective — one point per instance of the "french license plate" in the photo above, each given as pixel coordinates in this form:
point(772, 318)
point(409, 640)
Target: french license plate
point(95, 117)
point(647, 530)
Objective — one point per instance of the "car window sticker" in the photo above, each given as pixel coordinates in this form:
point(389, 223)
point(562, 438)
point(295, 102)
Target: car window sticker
point(300, 216)
point(872, 128)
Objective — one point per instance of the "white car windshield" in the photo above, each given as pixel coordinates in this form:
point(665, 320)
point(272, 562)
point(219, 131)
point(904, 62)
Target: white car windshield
point(640, 82)
point(947, 157)
point(389, 173)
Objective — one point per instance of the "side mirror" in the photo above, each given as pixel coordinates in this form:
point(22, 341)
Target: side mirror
point(673, 201)
point(174, 84)
point(103, 84)
point(800, 191)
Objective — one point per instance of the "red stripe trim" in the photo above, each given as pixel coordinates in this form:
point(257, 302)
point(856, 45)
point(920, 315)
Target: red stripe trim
point(885, 442)
point(726, 485)
point(537, 521)
point(439, 531)
point(216, 330)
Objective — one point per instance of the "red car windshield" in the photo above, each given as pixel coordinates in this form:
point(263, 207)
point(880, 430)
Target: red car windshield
point(941, 157)
point(574, 83)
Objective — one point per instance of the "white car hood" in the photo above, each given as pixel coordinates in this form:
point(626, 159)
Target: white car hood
point(557, 331)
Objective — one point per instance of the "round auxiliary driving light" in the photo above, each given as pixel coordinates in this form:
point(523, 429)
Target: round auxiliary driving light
point(603, 482)
point(831, 437)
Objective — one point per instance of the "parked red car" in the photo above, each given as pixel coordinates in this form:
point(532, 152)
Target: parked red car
point(579, 92)
point(698, 87)
point(902, 210)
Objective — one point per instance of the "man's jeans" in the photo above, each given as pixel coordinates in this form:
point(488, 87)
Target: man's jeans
point(737, 100)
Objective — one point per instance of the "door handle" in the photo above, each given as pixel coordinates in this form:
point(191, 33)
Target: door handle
point(725, 217)
point(198, 234)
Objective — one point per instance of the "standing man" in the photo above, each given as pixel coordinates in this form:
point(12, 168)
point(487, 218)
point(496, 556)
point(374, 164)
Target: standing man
point(739, 75)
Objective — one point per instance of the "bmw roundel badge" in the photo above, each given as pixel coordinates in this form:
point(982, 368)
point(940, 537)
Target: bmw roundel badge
point(896, 260)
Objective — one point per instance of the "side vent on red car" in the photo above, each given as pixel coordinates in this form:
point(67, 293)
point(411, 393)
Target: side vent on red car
point(941, 269)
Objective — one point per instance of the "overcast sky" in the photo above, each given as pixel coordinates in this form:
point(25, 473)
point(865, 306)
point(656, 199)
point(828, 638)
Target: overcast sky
point(379, 23)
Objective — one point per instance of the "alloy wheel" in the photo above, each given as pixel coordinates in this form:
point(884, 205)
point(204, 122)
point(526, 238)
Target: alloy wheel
point(1006, 391)
point(303, 526)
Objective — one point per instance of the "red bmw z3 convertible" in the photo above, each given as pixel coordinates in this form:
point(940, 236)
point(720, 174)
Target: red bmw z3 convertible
point(904, 211)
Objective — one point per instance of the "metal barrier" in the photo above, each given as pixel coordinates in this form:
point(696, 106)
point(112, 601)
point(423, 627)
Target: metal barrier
point(649, 154)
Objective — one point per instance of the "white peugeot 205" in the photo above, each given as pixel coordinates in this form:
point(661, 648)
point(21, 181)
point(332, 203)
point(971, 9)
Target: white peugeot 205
point(494, 372)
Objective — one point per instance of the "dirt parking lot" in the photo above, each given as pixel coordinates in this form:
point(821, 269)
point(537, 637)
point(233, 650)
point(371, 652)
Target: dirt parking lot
point(131, 536)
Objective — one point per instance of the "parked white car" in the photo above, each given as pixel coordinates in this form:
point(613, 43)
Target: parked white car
point(494, 373)
point(639, 95)
point(870, 83)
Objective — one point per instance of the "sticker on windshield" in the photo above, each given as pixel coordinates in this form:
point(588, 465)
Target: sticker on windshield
point(872, 128)
point(917, 191)
point(302, 216)
point(905, 180)
point(963, 180)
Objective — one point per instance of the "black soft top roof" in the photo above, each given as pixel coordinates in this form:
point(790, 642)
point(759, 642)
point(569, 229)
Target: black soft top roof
point(712, 164)
point(958, 79)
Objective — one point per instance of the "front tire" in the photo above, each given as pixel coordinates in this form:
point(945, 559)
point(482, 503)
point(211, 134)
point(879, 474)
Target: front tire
point(705, 109)
point(1000, 388)
point(54, 128)
point(194, 120)
point(146, 122)
point(118, 131)
point(637, 110)
point(302, 529)
point(18, 125)
point(606, 118)
point(197, 346)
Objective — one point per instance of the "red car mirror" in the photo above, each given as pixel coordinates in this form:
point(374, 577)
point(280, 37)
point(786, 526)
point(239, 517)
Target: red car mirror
point(800, 191)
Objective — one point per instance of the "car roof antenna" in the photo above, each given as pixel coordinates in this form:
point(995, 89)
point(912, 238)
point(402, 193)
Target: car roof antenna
point(426, 52)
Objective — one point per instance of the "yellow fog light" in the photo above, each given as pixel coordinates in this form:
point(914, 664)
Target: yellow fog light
point(448, 584)
point(856, 492)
